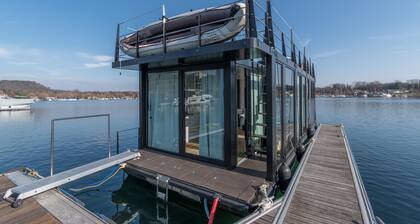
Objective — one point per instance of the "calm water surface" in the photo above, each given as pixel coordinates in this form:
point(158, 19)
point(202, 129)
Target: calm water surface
point(383, 134)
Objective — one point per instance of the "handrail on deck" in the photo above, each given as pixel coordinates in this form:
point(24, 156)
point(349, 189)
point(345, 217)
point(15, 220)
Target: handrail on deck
point(75, 118)
point(118, 136)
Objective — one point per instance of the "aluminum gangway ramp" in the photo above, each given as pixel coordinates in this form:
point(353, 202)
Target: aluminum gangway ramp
point(17, 194)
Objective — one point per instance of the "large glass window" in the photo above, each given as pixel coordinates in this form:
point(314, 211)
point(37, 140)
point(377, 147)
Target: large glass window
point(163, 111)
point(204, 113)
point(289, 109)
point(304, 105)
point(277, 115)
point(257, 106)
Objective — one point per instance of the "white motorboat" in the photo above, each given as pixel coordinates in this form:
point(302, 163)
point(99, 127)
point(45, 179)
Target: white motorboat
point(11, 104)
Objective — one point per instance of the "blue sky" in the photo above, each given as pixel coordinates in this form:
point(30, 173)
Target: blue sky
point(69, 44)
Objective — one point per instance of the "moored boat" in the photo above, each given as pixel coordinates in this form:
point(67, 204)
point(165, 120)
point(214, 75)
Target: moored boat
point(10, 104)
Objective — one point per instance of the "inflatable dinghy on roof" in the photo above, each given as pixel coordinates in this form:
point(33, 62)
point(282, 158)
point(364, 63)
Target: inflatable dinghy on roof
point(217, 25)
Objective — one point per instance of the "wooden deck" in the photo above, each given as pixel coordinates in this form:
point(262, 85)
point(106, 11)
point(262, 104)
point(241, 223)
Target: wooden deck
point(49, 207)
point(326, 189)
point(239, 185)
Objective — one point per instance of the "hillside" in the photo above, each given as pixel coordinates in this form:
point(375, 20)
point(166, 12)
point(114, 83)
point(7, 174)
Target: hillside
point(17, 88)
point(22, 88)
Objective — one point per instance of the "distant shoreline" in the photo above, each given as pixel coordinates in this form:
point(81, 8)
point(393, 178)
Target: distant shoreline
point(368, 97)
point(37, 91)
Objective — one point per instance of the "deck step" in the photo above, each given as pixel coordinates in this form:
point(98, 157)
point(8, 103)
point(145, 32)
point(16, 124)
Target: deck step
point(22, 192)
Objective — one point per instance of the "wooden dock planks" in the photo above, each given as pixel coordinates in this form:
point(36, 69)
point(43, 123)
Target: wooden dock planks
point(52, 206)
point(326, 190)
point(30, 211)
point(240, 184)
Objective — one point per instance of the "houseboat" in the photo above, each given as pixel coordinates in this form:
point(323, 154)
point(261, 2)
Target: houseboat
point(226, 104)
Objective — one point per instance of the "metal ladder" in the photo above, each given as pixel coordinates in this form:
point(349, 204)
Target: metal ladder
point(162, 182)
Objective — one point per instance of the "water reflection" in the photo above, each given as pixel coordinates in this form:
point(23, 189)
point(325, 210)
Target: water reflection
point(134, 194)
point(136, 203)
point(15, 116)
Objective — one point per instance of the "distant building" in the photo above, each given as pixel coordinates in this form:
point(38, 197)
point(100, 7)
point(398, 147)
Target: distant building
point(413, 81)
point(359, 84)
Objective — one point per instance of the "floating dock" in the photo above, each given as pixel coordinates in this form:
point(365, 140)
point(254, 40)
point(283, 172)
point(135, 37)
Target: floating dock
point(238, 188)
point(327, 187)
point(52, 206)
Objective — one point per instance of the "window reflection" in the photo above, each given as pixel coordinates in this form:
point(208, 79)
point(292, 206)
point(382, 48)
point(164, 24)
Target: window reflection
point(289, 109)
point(204, 118)
point(277, 116)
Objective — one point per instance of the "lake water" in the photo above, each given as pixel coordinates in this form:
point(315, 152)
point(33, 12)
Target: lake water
point(383, 134)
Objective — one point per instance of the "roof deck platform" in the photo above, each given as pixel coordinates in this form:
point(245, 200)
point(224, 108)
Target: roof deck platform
point(326, 188)
point(238, 188)
point(52, 206)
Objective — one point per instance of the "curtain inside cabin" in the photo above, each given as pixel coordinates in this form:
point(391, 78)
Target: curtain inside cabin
point(163, 111)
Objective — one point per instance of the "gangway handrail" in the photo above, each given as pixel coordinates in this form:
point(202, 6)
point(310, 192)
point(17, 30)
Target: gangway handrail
point(366, 208)
point(75, 118)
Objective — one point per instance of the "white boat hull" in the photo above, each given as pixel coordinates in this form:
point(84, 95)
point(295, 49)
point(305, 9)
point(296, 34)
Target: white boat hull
point(15, 104)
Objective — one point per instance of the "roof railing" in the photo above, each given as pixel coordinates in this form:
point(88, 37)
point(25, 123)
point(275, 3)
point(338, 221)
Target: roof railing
point(263, 21)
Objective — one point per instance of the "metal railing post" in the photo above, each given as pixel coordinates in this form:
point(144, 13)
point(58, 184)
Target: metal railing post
point(118, 142)
point(109, 135)
point(283, 45)
point(117, 45)
point(164, 28)
point(199, 30)
point(52, 149)
point(137, 44)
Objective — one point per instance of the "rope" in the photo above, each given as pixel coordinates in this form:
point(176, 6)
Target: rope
point(206, 207)
point(99, 183)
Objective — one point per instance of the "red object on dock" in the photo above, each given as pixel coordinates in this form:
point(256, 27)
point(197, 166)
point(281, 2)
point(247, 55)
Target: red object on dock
point(213, 210)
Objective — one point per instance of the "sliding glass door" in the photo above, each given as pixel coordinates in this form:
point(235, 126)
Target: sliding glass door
point(163, 115)
point(204, 113)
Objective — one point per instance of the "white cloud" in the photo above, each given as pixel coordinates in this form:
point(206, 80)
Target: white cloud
point(103, 58)
point(4, 52)
point(400, 51)
point(327, 54)
point(95, 61)
point(388, 37)
point(97, 65)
